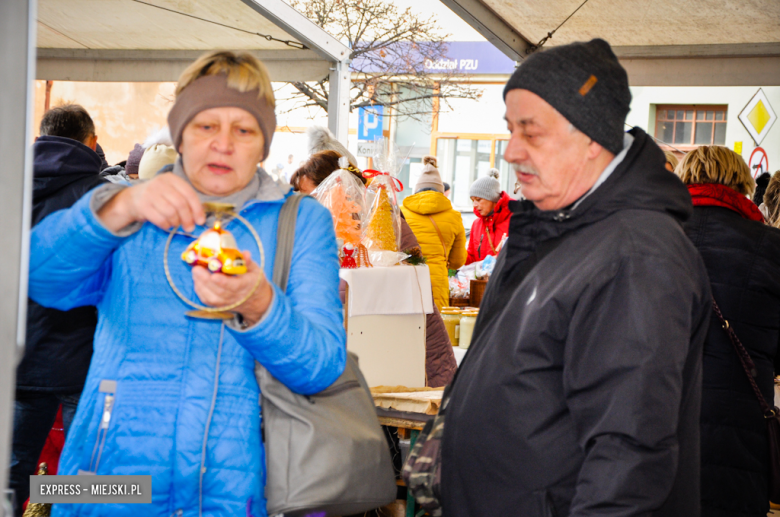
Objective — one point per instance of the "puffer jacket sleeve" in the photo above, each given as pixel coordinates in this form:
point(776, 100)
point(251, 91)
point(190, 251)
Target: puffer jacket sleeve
point(458, 252)
point(69, 258)
point(623, 379)
point(301, 339)
point(476, 232)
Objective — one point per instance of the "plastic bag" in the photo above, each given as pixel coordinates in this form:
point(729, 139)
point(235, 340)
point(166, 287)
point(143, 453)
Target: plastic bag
point(487, 266)
point(345, 197)
point(386, 258)
point(382, 229)
point(458, 289)
point(467, 273)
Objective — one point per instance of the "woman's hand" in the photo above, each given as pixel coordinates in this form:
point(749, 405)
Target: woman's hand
point(219, 290)
point(166, 201)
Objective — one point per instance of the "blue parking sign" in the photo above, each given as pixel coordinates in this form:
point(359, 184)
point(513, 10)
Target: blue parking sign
point(370, 123)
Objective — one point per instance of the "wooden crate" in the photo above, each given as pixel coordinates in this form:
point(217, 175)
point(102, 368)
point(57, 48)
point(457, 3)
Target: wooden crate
point(459, 302)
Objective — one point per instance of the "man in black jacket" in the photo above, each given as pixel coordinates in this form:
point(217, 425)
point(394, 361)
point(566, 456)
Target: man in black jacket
point(59, 344)
point(580, 394)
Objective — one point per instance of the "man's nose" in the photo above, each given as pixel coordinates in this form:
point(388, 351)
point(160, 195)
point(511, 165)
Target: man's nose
point(515, 151)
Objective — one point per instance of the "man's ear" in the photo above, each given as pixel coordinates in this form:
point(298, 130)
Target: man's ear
point(595, 149)
point(92, 143)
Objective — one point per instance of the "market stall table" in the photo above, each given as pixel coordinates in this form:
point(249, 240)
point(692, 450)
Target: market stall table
point(408, 410)
point(385, 320)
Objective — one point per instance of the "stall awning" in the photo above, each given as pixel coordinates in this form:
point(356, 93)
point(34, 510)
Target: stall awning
point(660, 42)
point(153, 40)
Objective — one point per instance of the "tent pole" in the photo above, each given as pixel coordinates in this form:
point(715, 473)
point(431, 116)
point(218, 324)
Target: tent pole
point(17, 61)
point(339, 100)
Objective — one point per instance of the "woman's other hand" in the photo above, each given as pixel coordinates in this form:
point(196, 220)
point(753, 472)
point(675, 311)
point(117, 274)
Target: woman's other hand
point(219, 290)
point(166, 201)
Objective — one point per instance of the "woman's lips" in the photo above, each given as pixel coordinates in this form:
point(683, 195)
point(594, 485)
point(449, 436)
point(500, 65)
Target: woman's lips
point(219, 168)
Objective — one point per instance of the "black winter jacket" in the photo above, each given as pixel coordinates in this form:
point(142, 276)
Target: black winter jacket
point(743, 262)
point(580, 393)
point(59, 343)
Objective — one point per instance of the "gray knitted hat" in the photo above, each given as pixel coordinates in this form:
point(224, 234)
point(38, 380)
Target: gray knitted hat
point(585, 83)
point(487, 187)
point(430, 177)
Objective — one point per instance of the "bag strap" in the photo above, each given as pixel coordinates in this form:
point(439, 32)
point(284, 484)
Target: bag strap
point(747, 362)
point(285, 238)
point(490, 239)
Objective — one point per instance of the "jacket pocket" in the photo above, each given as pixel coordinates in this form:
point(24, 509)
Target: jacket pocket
point(105, 408)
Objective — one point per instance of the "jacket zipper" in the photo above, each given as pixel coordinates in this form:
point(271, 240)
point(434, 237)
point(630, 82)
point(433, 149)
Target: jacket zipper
point(109, 388)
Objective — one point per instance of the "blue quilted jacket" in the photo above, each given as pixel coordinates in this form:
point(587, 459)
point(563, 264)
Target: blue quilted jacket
point(176, 397)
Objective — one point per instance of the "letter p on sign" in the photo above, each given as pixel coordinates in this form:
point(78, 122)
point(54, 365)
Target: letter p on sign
point(370, 123)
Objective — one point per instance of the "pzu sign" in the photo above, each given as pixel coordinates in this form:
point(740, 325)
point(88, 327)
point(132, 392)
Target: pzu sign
point(370, 123)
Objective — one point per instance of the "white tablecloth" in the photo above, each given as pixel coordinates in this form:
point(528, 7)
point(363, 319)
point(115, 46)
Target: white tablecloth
point(388, 290)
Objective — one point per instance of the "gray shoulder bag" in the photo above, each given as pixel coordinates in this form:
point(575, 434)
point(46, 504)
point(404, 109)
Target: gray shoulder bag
point(324, 452)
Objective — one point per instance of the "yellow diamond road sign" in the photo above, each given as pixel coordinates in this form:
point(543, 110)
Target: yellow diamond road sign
point(758, 116)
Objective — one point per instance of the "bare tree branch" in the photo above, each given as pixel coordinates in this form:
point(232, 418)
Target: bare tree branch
point(388, 46)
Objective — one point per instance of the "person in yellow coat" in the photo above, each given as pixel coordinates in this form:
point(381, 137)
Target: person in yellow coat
point(438, 228)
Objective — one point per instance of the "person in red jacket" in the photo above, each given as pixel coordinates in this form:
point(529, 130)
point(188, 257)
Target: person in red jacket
point(491, 205)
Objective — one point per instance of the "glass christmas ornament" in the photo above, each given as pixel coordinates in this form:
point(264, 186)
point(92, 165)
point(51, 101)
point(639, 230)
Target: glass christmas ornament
point(217, 250)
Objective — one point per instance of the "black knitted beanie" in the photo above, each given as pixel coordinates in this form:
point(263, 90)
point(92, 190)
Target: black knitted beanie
point(585, 83)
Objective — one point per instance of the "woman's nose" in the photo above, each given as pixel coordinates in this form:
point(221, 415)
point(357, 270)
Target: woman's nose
point(223, 141)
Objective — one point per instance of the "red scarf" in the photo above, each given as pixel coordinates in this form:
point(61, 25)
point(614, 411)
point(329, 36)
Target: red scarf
point(714, 194)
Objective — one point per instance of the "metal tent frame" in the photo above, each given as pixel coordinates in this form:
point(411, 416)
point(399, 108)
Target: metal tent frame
point(17, 36)
point(320, 54)
point(709, 64)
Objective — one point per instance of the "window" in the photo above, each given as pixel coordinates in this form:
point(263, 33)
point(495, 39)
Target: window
point(682, 126)
point(506, 176)
point(467, 160)
point(463, 160)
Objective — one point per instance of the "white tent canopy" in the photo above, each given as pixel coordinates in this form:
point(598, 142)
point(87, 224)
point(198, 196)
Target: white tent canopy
point(154, 40)
point(135, 40)
point(660, 42)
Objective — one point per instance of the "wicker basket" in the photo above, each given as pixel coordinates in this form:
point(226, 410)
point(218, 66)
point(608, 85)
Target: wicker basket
point(477, 290)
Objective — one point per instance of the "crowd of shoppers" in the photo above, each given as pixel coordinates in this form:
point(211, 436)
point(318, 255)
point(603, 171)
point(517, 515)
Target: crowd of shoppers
point(597, 381)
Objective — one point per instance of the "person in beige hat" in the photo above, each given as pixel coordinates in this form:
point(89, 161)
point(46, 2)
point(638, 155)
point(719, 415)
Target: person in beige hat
point(155, 158)
point(438, 228)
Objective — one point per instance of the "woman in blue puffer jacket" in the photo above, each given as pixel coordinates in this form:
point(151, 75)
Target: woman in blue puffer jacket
point(169, 396)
